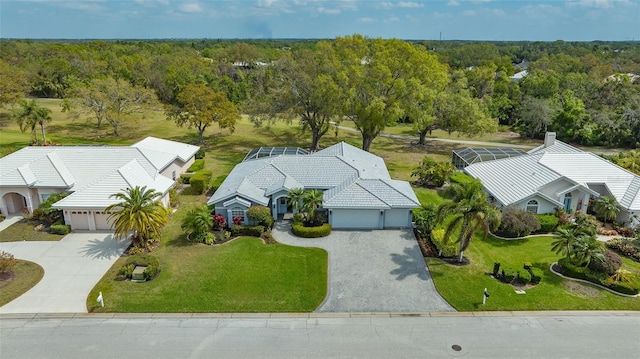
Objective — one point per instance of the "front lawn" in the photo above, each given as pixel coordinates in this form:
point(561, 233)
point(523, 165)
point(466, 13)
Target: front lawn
point(462, 286)
point(24, 276)
point(23, 231)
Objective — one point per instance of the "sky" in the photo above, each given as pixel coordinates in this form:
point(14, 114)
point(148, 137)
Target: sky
point(494, 20)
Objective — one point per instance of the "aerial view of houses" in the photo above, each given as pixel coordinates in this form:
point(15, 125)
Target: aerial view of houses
point(339, 177)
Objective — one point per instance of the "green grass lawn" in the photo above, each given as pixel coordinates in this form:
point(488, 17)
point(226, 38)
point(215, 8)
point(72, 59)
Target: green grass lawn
point(23, 231)
point(243, 275)
point(24, 277)
point(462, 286)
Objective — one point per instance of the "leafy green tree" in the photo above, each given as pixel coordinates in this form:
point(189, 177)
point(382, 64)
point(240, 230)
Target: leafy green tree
point(139, 211)
point(630, 161)
point(199, 106)
point(425, 217)
point(431, 173)
point(466, 212)
point(535, 117)
point(13, 84)
point(29, 115)
point(198, 222)
point(260, 215)
point(377, 77)
point(607, 208)
point(570, 118)
point(111, 100)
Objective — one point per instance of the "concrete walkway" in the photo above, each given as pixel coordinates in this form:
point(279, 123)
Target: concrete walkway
point(72, 267)
point(372, 271)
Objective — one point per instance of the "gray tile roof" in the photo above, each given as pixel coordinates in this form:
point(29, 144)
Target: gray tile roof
point(182, 150)
point(339, 170)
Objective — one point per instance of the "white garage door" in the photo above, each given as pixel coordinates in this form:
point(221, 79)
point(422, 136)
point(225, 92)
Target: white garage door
point(396, 218)
point(79, 220)
point(102, 224)
point(355, 218)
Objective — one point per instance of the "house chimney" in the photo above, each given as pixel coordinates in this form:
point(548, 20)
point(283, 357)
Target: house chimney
point(549, 139)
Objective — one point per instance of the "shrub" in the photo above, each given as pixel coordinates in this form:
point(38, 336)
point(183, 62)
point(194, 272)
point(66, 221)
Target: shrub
point(126, 271)
point(517, 222)
point(573, 271)
point(197, 183)
point(243, 230)
point(460, 177)
point(625, 287)
point(508, 275)
point(425, 217)
point(237, 220)
point(45, 212)
point(524, 277)
point(200, 154)
point(206, 174)
point(609, 265)
point(548, 222)
point(196, 166)
point(298, 218)
point(625, 247)
point(60, 229)
point(496, 269)
point(431, 173)
point(219, 221)
point(536, 275)
point(7, 262)
point(210, 238)
point(444, 250)
point(174, 198)
point(626, 232)
point(144, 260)
point(300, 230)
point(260, 215)
point(186, 177)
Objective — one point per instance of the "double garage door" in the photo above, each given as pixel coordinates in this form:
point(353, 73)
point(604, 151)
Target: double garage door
point(89, 221)
point(370, 218)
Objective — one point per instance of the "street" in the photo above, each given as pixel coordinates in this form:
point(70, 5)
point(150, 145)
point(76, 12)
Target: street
point(330, 335)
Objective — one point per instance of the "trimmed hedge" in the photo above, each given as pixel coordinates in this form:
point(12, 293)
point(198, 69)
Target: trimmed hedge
point(197, 183)
point(300, 230)
point(200, 154)
point(536, 275)
point(244, 230)
point(573, 271)
point(260, 215)
point(196, 166)
point(144, 260)
point(60, 229)
point(185, 177)
point(548, 222)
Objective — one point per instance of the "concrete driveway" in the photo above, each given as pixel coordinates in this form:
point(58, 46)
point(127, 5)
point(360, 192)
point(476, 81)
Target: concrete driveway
point(72, 267)
point(373, 271)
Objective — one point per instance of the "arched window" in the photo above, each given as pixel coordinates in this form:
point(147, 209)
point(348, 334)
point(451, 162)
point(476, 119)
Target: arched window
point(237, 212)
point(532, 206)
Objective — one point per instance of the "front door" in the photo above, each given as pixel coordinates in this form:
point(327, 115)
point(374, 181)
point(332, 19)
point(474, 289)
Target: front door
point(567, 203)
point(282, 205)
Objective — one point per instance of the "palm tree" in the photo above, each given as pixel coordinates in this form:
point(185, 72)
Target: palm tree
point(311, 201)
point(467, 212)
point(566, 240)
point(139, 211)
point(197, 222)
point(586, 249)
point(607, 208)
point(29, 115)
point(631, 161)
point(294, 198)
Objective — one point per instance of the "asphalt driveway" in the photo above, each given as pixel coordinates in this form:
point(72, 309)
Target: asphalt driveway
point(373, 271)
point(72, 267)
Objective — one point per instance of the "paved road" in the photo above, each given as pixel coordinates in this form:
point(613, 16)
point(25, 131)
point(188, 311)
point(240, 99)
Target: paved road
point(487, 335)
point(373, 271)
point(72, 267)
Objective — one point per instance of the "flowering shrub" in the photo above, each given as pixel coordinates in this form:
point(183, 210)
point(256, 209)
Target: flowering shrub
point(219, 221)
point(237, 220)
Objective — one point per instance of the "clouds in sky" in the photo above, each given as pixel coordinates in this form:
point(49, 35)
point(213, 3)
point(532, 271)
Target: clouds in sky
point(545, 20)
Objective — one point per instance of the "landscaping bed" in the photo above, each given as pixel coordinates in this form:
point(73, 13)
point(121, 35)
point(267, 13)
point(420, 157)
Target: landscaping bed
point(23, 230)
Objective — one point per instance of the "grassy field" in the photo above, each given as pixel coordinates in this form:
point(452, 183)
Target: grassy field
point(462, 286)
point(23, 231)
point(25, 275)
point(243, 275)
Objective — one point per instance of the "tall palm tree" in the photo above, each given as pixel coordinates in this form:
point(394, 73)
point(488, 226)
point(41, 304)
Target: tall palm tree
point(467, 212)
point(294, 198)
point(139, 211)
point(198, 222)
point(29, 115)
point(311, 201)
point(607, 208)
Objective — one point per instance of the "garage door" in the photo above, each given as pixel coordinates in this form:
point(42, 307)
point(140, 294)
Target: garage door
point(102, 224)
point(79, 220)
point(355, 218)
point(396, 218)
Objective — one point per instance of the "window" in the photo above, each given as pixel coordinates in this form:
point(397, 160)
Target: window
point(173, 175)
point(44, 196)
point(532, 206)
point(237, 212)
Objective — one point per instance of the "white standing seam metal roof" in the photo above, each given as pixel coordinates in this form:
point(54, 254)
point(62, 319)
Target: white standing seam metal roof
point(182, 150)
point(510, 180)
point(76, 168)
point(350, 177)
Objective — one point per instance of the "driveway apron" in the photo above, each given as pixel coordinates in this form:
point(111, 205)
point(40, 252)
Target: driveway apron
point(72, 267)
point(372, 271)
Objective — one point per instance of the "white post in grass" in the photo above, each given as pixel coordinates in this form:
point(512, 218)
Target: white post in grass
point(485, 295)
point(100, 300)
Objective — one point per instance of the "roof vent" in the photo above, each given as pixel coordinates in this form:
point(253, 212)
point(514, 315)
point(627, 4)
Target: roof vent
point(549, 139)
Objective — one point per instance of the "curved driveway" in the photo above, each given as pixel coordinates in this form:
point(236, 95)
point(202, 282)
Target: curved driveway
point(72, 267)
point(372, 271)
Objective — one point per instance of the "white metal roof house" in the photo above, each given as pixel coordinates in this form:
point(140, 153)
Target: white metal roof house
point(91, 174)
point(358, 191)
point(557, 175)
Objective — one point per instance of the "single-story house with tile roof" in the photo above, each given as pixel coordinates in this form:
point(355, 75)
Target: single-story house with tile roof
point(557, 175)
point(358, 192)
point(90, 174)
